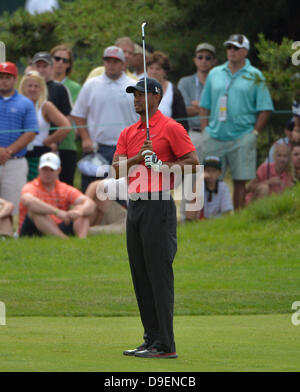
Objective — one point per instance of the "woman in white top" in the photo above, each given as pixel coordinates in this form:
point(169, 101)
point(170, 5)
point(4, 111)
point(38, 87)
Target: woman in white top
point(34, 87)
point(172, 103)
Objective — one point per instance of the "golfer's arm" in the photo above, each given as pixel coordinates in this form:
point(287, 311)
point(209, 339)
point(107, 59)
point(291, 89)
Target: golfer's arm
point(37, 206)
point(262, 119)
point(190, 159)
point(121, 164)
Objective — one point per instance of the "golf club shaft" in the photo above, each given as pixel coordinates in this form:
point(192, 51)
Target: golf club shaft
point(145, 80)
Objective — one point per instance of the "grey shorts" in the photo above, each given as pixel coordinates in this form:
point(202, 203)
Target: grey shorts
point(239, 155)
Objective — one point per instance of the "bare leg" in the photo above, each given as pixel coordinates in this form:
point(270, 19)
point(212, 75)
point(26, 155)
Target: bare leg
point(46, 225)
point(239, 193)
point(81, 227)
point(261, 191)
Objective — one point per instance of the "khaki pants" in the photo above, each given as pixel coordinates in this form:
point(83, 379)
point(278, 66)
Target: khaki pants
point(13, 176)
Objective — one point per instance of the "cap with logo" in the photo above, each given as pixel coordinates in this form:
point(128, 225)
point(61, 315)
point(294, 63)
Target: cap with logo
point(114, 52)
point(205, 46)
point(212, 161)
point(50, 160)
point(238, 40)
point(9, 68)
point(42, 56)
point(153, 86)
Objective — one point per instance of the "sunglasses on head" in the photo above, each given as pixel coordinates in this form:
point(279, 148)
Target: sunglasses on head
point(64, 60)
point(208, 58)
point(232, 47)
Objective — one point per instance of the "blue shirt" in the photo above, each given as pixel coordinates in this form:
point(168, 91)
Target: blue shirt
point(17, 115)
point(246, 98)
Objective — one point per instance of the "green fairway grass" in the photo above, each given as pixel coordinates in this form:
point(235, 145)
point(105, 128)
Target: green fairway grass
point(204, 343)
point(235, 281)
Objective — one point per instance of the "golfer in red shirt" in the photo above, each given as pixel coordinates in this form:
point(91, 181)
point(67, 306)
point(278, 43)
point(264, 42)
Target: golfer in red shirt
point(151, 218)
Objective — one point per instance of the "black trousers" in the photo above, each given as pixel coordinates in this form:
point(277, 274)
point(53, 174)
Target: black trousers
point(68, 166)
point(152, 245)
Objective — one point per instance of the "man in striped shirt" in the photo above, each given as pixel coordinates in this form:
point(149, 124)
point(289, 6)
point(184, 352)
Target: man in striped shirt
point(46, 201)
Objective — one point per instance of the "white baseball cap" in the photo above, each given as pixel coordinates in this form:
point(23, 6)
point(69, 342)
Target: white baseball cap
point(50, 160)
point(238, 40)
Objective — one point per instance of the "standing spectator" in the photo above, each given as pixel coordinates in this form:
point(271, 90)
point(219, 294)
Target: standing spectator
point(38, 6)
point(33, 86)
point(217, 199)
point(18, 127)
point(296, 163)
point(103, 108)
point(272, 177)
point(238, 103)
point(62, 68)
point(137, 62)
point(191, 88)
point(126, 44)
point(6, 221)
point(172, 103)
point(59, 95)
point(46, 201)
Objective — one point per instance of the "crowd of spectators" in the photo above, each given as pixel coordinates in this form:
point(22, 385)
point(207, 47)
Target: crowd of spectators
point(45, 114)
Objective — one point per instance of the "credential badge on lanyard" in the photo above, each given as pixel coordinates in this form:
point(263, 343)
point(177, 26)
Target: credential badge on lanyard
point(223, 102)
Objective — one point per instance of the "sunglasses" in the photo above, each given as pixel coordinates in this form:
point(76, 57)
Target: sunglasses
point(64, 60)
point(228, 47)
point(208, 58)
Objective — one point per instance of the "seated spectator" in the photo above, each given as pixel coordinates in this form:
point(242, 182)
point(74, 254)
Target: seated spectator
point(172, 103)
point(104, 193)
point(217, 199)
point(272, 177)
point(6, 221)
point(45, 206)
point(292, 135)
point(296, 163)
point(33, 86)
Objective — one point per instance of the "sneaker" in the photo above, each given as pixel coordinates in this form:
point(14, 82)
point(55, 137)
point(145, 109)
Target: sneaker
point(131, 353)
point(155, 353)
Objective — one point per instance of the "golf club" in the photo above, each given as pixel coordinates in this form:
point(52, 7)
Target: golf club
point(144, 24)
point(2, 52)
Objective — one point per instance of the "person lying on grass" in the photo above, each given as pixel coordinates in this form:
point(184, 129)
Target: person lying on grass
point(217, 199)
point(6, 222)
point(272, 177)
point(45, 206)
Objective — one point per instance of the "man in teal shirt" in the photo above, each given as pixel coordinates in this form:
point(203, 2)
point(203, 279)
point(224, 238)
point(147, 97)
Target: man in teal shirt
point(238, 103)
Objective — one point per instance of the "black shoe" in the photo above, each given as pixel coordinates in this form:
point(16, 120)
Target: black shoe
point(131, 353)
point(153, 352)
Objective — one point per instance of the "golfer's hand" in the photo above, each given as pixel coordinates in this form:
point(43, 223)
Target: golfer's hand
point(152, 161)
point(147, 146)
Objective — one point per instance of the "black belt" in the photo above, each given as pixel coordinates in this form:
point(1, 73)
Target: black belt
point(161, 195)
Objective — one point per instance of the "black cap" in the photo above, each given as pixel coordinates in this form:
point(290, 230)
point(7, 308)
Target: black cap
point(213, 162)
point(42, 56)
point(153, 86)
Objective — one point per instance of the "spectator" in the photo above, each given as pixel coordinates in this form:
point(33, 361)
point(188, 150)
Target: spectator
point(18, 127)
point(104, 193)
point(291, 136)
point(172, 103)
point(6, 221)
point(272, 177)
point(38, 6)
point(62, 67)
point(34, 87)
point(191, 88)
point(137, 62)
point(238, 103)
point(46, 201)
point(296, 163)
point(217, 199)
point(126, 44)
point(59, 95)
point(103, 108)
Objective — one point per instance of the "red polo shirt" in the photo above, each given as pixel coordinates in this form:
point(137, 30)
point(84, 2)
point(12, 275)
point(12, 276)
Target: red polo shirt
point(170, 141)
